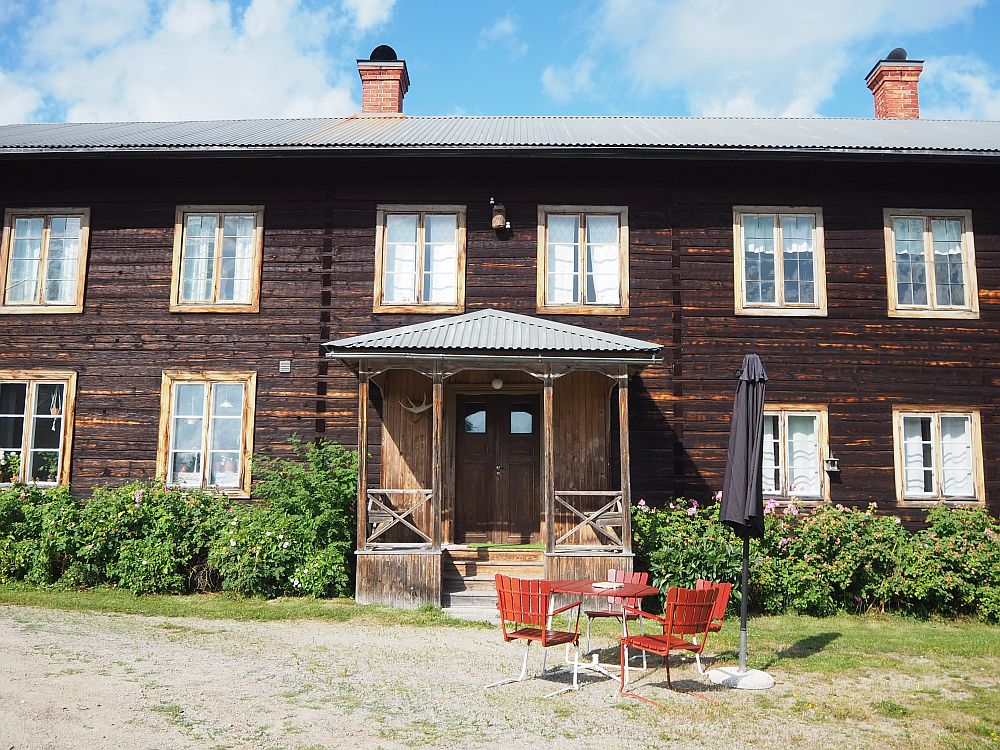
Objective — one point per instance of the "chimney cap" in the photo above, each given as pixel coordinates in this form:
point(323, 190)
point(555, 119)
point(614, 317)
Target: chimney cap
point(895, 59)
point(383, 53)
point(897, 55)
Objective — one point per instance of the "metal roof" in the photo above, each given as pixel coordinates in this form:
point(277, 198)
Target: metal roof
point(387, 133)
point(487, 331)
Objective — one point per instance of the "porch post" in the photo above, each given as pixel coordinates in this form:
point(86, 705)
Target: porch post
point(437, 453)
point(625, 462)
point(362, 531)
point(548, 472)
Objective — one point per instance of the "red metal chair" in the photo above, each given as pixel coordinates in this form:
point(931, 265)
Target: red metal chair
point(525, 615)
point(615, 604)
point(719, 612)
point(687, 614)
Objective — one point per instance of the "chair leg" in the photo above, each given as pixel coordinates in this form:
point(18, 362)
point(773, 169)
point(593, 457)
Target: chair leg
point(589, 620)
point(624, 665)
point(697, 656)
point(576, 672)
point(524, 670)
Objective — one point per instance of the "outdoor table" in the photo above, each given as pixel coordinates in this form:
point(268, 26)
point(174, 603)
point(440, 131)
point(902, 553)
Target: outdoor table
point(586, 588)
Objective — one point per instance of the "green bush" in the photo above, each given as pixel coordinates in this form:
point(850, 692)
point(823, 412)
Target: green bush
point(37, 533)
point(832, 558)
point(298, 540)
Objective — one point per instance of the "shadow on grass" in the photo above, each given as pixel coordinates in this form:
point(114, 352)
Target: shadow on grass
point(804, 648)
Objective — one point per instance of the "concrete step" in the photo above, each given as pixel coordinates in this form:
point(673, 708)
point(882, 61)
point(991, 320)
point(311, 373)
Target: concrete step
point(477, 599)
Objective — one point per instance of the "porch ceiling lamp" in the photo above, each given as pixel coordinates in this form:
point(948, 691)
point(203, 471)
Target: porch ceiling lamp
point(497, 383)
point(499, 221)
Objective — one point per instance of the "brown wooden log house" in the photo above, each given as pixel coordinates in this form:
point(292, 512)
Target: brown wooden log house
point(526, 324)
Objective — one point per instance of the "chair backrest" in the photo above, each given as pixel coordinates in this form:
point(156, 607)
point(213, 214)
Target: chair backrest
point(624, 576)
point(689, 611)
point(722, 601)
point(523, 601)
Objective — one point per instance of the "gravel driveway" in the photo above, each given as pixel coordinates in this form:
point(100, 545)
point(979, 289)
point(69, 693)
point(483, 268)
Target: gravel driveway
point(77, 680)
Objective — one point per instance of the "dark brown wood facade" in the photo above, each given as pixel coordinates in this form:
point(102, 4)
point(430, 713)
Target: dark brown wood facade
point(317, 284)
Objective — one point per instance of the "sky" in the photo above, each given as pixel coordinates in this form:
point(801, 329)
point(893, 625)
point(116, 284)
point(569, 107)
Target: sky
point(112, 60)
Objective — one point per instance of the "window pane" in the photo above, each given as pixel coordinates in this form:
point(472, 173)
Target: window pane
point(198, 261)
point(25, 256)
point(63, 260)
point(562, 283)
point(949, 268)
point(236, 265)
point(803, 455)
point(603, 252)
point(399, 283)
point(911, 262)
point(185, 469)
point(798, 258)
point(225, 469)
point(227, 399)
point(12, 398)
point(44, 466)
point(187, 433)
point(474, 420)
point(918, 456)
point(226, 434)
point(441, 259)
point(521, 420)
point(758, 258)
point(772, 451)
point(956, 457)
point(11, 433)
point(189, 399)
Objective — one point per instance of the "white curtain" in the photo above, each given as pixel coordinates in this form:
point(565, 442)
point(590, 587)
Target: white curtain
point(798, 258)
point(758, 258)
point(956, 457)
point(62, 260)
point(562, 285)
point(399, 271)
point(226, 428)
point(26, 254)
point(911, 261)
point(441, 258)
point(772, 452)
point(237, 258)
point(918, 462)
point(198, 262)
point(949, 269)
point(603, 250)
point(803, 456)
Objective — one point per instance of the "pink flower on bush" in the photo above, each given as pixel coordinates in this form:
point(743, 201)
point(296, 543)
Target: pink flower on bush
point(770, 507)
point(138, 496)
point(783, 542)
point(718, 496)
point(692, 510)
point(642, 501)
point(694, 503)
point(792, 510)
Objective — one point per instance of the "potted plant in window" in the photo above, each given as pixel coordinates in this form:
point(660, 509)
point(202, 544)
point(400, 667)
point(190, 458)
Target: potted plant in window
point(10, 466)
point(48, 467)
point(55, 407)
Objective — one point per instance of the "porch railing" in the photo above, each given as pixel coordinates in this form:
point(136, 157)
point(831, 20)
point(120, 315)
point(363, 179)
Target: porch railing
point(607, 521)
point(385, 514)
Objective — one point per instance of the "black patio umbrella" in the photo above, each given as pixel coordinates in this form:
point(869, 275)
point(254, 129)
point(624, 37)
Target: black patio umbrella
point(742, 506)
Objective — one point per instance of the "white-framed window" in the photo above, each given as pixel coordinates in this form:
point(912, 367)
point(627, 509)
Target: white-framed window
point(420, 259)
point(583, 259)
point(217, 259)
point(206, 430)
point(795, 446)
point(43, 260)
point(780, 263)
point(36, 425)
point(938, 454)
point(931, 264)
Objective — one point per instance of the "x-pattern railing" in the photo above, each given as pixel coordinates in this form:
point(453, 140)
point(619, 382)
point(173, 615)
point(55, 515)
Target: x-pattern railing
point(382, 516)
point(603, 521)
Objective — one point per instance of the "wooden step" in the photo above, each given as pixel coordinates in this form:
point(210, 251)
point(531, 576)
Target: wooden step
point(482, 554)
point(476, 599)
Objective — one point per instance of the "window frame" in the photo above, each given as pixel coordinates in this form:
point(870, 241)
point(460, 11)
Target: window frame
point(381, 236)
point(67, 378)
point(578, 307)
point(171, 378)
point(779, 307)
point(931, 310)
point(821, 412)
point(6, 244)
point(180, 229)
point(899, 458)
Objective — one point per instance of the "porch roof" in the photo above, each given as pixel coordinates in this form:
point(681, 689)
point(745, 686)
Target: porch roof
point(492, 336)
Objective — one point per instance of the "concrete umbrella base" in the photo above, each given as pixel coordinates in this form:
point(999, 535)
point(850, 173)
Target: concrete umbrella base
point(752, 679)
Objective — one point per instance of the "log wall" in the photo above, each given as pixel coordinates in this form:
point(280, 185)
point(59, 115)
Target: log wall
point(317, 284)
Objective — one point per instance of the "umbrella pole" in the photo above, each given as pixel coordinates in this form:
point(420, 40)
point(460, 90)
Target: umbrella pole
point(744, 596)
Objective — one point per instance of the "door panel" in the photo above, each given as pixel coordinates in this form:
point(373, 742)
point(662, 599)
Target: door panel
point(497, 491)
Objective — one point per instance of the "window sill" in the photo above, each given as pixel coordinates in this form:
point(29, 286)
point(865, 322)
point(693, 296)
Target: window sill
point(41, 309)
point(965, 314)
point(793, 312)
point(581, 310)
point(931, 502)
point(251, 308)
point(418, 309)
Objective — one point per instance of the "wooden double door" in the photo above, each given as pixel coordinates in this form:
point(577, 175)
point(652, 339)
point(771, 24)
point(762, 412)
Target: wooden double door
point(497, 469)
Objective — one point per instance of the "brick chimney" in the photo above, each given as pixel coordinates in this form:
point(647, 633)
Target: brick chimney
point(384, 82)
point(893, 82)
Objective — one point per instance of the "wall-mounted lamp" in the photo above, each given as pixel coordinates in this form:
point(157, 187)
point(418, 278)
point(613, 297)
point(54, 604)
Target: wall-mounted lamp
point(499, 222)
point(832, 465)
point(497, 383)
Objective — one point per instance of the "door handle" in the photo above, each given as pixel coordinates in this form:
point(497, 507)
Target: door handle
point(499, 469)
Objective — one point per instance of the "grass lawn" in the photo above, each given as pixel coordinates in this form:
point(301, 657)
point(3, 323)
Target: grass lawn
point(930, 683)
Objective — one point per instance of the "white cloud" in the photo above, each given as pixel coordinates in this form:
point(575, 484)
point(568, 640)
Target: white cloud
point(100, 60)
point(563, 83)
point(959, 87)
point(504, 31)
point(16, 102)
point(749, 57)
point(370, 13)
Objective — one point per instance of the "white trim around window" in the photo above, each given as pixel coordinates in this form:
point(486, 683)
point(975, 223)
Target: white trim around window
point(930, 259)
point(796, 444)
point(938, 454)
point(779, 260)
